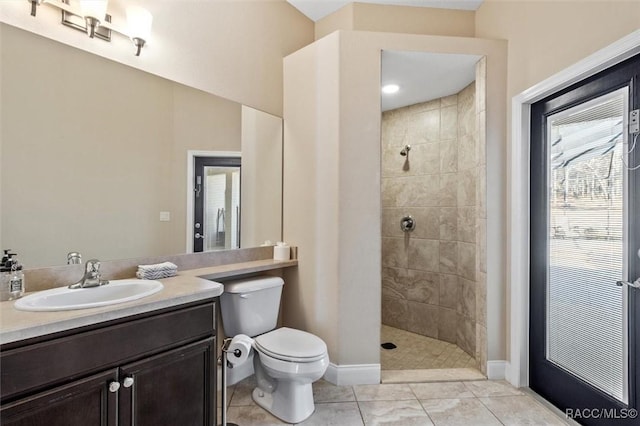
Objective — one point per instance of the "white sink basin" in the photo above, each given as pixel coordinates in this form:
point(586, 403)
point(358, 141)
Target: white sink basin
point(65, 299)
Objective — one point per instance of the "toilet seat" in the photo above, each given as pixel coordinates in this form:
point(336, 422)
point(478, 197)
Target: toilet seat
point(288, 344)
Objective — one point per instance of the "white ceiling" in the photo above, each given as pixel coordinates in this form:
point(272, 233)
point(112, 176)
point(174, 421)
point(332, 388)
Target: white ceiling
point(423, 76)
point(318, 9)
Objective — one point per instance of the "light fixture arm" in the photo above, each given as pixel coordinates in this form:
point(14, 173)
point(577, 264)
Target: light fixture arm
point(92, 24)
point(139, 43)
point(34, 6)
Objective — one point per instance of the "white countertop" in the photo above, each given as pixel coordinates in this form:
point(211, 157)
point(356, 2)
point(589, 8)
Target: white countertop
point(19, 325)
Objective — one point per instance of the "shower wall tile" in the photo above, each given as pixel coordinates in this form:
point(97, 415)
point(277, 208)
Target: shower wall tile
point(394, 282)
point(467, 187)
point(394, 252)
point(466, 151)
point(481, 84)
point(397, 192)
point(447, 325)
point(448, 257)
point(391, 222)
point(393, 128)
point(449, 156)
point(467, 261)
point(425, 159)
point(449, 291)
point(427, 221)
point(423, 287)
point(449, 122)
point(467, 110)
point(424, 254)
point(448, 223)
point(394, 164)
point(481, 299)
point(423, 191)
point(482, 192)
point(466, 335)
point(482, 245)
point(448, 193)
point(428, 276)
point(424, 127)
point(423, 319)
point(449, 100)
point(482, 137)
point(425, 106)
point(467, 224)
point(467, 302)
point(481, 348)
point(395, 312)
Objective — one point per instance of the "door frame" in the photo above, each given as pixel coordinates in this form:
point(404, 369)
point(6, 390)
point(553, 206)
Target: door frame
point(191, 155)
point(517, 371)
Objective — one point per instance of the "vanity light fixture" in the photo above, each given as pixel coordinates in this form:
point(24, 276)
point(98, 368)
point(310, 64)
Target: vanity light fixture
point(91, 16)
point(390, 88)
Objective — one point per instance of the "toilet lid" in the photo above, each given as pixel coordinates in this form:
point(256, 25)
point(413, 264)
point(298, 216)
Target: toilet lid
point(291, 345)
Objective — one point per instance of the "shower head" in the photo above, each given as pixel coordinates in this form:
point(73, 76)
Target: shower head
point(405, 150)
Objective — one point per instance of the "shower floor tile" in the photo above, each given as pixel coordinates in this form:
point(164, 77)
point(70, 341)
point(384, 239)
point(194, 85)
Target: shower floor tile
point(417, 352)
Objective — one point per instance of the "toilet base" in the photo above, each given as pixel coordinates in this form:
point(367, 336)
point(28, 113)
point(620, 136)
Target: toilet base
point(290, 402)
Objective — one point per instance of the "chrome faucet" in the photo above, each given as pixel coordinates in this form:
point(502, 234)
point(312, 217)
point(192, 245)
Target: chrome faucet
point(91, 276)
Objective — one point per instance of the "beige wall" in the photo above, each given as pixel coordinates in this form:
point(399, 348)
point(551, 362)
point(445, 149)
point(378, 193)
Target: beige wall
point(261, 188)
point(233, 49)
point(332, 197)
point(311, 298)
point(398, 19)
point(545, 37)
point(90, 158)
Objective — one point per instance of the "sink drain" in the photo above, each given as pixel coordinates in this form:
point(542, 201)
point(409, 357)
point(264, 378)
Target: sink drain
point(388, 345)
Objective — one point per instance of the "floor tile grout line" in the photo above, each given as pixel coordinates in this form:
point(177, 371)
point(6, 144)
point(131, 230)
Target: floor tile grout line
point(492, 413)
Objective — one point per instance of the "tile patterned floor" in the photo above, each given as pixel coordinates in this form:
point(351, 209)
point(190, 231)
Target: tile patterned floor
point(441, 404)
point(415, 352)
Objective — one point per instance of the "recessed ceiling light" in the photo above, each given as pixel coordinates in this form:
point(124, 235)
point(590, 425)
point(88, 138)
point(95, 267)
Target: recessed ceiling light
point(390, 88)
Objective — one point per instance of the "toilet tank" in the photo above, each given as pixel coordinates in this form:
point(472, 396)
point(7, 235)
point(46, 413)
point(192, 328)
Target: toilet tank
point(250, 306)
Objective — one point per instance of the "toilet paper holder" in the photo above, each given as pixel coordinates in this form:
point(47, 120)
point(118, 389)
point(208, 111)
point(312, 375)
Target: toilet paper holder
point(224, 361)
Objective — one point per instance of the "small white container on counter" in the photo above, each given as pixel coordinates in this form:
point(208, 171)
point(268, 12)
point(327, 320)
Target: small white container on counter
point(281, 251)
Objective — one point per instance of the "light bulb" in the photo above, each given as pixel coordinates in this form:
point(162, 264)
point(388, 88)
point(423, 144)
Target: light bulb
point(139, 23)
point(96, 9)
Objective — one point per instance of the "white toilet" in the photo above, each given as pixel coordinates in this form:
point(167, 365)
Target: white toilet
point(288, 360)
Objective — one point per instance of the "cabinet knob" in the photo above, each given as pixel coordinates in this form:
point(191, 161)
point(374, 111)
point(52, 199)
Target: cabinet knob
point(114, 386)
point(127, 382)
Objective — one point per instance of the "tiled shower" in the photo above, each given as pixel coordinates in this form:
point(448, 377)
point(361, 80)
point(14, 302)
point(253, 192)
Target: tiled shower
point(433, 277)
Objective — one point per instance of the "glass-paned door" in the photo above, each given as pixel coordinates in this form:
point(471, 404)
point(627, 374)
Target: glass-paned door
point(216, 203)
point(584, 204)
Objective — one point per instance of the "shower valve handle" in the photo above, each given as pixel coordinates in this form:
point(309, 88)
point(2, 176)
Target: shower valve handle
point(407, 224)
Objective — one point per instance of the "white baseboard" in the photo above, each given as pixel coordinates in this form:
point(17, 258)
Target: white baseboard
point(496, 370)
point(355, 374)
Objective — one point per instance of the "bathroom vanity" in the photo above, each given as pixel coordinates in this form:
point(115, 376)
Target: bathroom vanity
point(152, 362)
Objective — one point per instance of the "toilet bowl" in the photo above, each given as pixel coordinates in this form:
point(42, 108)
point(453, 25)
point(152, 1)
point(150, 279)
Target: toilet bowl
point(285, 361)
point(285, 374)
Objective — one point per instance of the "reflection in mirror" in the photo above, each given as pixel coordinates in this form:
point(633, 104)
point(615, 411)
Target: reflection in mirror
point(217, 203)
point(95, 156)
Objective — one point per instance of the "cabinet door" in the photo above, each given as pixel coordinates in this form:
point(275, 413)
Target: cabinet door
point(173, 388)
point(83, 402)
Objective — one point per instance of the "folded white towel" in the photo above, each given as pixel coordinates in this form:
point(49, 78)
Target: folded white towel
point(157, 266)
point(157, 271)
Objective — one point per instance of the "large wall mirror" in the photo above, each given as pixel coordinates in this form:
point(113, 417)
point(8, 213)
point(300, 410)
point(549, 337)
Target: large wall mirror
point(94, 156)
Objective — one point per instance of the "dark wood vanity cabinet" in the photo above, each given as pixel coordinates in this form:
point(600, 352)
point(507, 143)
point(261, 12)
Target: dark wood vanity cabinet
point(152, 369)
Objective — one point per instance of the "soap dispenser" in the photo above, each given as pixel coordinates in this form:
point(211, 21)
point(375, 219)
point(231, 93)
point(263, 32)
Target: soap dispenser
point(11, 277)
